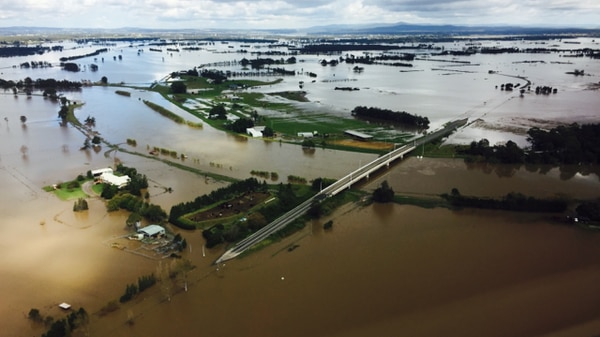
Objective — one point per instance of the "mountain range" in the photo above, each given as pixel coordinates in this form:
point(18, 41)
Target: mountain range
point(334, 29)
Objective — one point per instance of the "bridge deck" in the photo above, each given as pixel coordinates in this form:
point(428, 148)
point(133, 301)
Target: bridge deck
point(335, 188)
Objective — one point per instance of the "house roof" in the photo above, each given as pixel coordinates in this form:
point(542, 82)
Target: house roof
point(102, 170)
point(358, 134)
point(151, 230)
point(115, 180)
point(253, 132)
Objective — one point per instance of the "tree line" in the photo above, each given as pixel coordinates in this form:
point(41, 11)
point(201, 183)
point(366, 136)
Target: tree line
point(75, 57)
point(237, 188)
point(399, 117)
point(41, 84)
point(511, 202)
point(338, 48)
point(565, 144)
point(22, 51)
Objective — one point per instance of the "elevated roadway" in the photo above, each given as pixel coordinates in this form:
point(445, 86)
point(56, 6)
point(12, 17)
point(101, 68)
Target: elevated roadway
point(335, 188)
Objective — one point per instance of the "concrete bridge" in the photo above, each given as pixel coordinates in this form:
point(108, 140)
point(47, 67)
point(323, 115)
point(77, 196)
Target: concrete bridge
point(335, 188)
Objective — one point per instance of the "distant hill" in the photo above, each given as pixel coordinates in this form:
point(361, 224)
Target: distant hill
point(406, 28)
point(363, 29)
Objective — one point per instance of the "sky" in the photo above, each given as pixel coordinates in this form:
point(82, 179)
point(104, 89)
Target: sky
point(294, 14)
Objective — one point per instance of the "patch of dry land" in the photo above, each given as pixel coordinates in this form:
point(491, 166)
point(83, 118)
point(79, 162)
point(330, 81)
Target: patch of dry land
point(371, 145)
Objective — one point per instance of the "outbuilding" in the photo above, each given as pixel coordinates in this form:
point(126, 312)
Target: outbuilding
point(256, 131)
point(358, 135)
point(99, 172)
point(152, 231)
point(64, 306)
point(119, 181)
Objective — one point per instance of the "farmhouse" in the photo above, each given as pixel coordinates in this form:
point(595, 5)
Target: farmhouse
point(152, 231)
point(256, 131)
point(107, 176)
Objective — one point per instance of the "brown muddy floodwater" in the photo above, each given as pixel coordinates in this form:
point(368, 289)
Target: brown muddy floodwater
point(394, 271)
point(390, 270)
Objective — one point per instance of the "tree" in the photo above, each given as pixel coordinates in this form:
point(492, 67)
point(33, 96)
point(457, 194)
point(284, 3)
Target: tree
point(178, 87)
point(80, 205)
point(240, 125)
point(384, 193)
point(90, 121)
point(133, 218)
point(23, 119)
point(589, 209)
point(70, 66)
point(315, 211)
point(104, 80)
point(62, 113)
point(51, 93)
point(268, 132)
point(34, 315)
point(256, 221)
point(308, 144)
point(130, 291)
point(86, 144)
point(218, 112)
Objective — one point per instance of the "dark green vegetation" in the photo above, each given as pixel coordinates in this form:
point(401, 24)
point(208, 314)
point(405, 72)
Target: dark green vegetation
point(511, 202)
point(383, 193)
point(123, 93)
point(396, 117)
point(76, 57)
point(144, 282)
point(130, 197)
point(180, 213)
point(165, 112)
point(589, 210)
point(256, 216)
point(80, 205)
point(18, 50)
point(67, 190)
point(232, 229)
point(62, 327)
point(220, 96)
point(571, 144)
point(49, 84)
point(70, 66)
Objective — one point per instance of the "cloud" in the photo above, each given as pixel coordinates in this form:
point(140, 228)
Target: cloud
point(255, 14)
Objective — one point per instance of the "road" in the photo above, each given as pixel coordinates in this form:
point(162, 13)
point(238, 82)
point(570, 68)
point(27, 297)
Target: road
point(335, 188)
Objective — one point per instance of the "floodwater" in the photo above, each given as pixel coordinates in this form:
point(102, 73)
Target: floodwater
point(384, 269)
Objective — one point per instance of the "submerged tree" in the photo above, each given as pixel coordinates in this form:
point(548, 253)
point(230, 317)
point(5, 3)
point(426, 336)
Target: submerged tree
point(383, 193)
point(80, 205)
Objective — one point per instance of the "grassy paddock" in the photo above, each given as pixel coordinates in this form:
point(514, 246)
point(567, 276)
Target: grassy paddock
point(65, 191)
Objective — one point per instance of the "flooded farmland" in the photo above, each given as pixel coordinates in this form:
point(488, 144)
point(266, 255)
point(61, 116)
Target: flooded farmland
point(383, 269)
